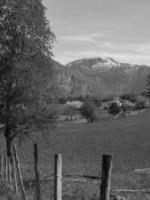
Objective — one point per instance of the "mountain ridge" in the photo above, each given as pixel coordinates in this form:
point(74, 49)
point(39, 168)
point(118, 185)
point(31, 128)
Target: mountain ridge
point(100, 77)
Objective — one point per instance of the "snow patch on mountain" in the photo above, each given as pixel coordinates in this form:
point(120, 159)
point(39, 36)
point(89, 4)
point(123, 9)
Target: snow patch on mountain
point(103, 64)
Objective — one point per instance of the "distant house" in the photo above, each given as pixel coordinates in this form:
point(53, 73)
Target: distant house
point(106, 105)
point(117, 100)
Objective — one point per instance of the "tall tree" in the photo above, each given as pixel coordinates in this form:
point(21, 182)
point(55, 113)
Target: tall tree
point(25, 67)
point(147, 90)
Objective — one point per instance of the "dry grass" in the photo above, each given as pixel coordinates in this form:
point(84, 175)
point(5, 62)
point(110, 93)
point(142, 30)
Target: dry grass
point(5, 192)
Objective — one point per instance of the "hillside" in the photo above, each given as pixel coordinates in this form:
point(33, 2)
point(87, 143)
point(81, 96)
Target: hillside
point(101, 77)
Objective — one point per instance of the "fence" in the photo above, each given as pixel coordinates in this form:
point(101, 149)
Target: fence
point(12, 176)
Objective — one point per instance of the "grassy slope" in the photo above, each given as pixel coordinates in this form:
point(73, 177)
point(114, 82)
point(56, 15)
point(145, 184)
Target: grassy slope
point(83, 144)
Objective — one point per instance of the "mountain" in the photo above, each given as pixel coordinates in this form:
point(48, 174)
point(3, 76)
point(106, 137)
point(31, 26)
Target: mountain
point(100, 77)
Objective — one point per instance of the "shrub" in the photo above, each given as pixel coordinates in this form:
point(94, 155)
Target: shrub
point(95, 99)
point(62, 100)
point(130, 97)
point(114, 108)
point(70, 111)
point(90, 111)
point(127, 105)
point(109, 98)
point(141, 103)
point(97, 102)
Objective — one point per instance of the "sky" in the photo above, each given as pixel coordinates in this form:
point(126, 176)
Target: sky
point(100, 28)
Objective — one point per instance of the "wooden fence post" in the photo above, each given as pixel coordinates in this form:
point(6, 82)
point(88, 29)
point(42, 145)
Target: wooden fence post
point(6, 168)
point(19, 174)
point(37, 179)
point(10, 173)
point(14, 176)
point(106, 177)
point(2, 166)
point(58, 178)
point(9, 170)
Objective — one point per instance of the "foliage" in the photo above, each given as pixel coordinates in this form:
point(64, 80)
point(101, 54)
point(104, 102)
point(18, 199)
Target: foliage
point(127, 105)
point(62, 100)
point(70, 111)
point(95, 99)
point(81, 98)
point(108, 98)
point(25, 66)
point(147, 90)
point(141, 103)
point(114, 108)
point(130, 97)
point(97, 102)
point(90, 111)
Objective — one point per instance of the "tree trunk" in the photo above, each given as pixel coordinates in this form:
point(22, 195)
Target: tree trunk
point(8, 141)
point(8, 147)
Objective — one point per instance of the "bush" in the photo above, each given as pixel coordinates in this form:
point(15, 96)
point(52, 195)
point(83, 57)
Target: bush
point(97, 102)
point(89, 111)
point(95, 99)
point(108, 98)
point(130, 97)
point(70, 111)
point(141, 103)
point(114, 108)
point(62, 100)
point(127, 105)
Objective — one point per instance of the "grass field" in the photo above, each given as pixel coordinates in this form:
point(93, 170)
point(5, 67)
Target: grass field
point(82, 146)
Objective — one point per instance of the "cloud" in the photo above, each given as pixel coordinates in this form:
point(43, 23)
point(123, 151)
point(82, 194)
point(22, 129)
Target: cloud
point(143, 49)
point(133, 58)
point(108, 45)
point(89, 38)
point(96, 45)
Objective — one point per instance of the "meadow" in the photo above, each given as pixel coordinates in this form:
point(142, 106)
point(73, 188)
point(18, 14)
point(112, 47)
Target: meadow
point(82, 146)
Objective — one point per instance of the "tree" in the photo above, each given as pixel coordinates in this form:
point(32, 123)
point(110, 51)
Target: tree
point(114, 108)
point(130, 97)
point(90, 111)
point(25, 67)
point(70, 111)
point(147, 90)
point(141, 102)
